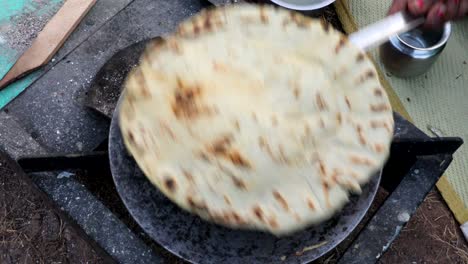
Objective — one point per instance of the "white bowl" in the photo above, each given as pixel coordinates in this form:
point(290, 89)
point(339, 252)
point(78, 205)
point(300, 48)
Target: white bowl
point(303, 5)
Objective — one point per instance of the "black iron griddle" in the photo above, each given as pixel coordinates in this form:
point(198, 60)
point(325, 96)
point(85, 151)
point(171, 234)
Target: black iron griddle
point(198, 241)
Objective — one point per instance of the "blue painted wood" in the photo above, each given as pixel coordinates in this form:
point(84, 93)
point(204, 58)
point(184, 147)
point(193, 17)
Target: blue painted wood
point(20, 21)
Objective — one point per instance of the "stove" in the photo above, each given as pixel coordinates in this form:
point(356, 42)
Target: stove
point(81, 184)
point(416, 163)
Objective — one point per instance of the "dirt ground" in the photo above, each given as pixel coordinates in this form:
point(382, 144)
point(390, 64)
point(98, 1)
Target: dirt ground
point(32, 230)
point(431, 236)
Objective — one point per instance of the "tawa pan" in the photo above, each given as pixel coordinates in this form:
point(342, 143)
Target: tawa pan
point(198, 241)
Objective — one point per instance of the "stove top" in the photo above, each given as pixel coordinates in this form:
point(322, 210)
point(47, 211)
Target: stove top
point(415, 164)
point(86, 192)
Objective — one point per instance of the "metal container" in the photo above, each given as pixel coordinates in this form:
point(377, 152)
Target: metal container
point(414, 52)
point(303, 5)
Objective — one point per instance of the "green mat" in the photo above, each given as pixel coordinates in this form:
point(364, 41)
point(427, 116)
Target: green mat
point(20, 21)
point(437, 100)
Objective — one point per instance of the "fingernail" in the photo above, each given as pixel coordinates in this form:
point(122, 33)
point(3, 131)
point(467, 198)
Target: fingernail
point(441, 12)
point(421, 4)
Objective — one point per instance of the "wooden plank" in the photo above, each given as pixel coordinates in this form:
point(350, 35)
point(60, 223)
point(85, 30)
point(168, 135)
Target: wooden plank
point(50, 39)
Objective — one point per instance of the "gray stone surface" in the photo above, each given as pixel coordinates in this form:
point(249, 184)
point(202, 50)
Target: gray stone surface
point(50, 108)
point(95, 219)
point(15, 140)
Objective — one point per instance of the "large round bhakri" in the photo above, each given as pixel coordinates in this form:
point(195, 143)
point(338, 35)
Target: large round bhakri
point(258, 118)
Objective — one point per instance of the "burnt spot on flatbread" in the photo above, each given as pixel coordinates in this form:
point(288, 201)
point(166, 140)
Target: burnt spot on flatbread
point(274, 120)
point(361, 137)
point(273, 223)
point(248, 19)
point(186, 102)
point(325, 25)
point(210, 20)
point(307, 130)
point(341, 44)
point(296, 92)
point(221, 145)
point(360, 57)
point(237, 125)
point(262, 142)
point(358, 160)
point(300, 20)
point(378, 92)
point(321, 104)
point(282, 156)
point(142, 86)
point(237, 218)
point(166, 129)
point(238, 159)
point(323, 170)
point(379, 108)
point(326, 190)
point(170, 184)
point(366, 76)
point(339, 118)
point(188, 175)
point(381, 124)
point(311, 204)
point(280, 199)
point(219, 67)
point(379, 148)
point(263, 15)
point(297, 217)
point(196, 28)
point(348, 103)
point(196, 205)
point(131, 137)
point(203, 156)
point(258, 212)
point(240, 184)
point(227, 200)
point(322, 123)
point(174, 45)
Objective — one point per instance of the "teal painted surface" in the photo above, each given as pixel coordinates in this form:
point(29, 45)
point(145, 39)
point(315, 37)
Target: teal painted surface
point(9, 10)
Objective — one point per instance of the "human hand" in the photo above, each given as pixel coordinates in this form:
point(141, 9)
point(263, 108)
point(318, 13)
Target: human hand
point(437, 12)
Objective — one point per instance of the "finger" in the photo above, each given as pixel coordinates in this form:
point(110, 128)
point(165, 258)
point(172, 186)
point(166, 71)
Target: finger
point(436, 16)
point(398, 5)
point(452, 9)
point(420, 7)
point(463, 9)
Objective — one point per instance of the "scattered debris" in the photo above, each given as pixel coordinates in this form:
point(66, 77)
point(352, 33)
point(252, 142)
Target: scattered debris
point(65, 174)
point(408, 99)
point(403, 217)
point(460, 75)
point(305, 249)
point(283, 258)
point(437, 132)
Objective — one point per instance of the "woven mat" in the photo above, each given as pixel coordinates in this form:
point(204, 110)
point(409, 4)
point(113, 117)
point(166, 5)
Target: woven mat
point(436, 101)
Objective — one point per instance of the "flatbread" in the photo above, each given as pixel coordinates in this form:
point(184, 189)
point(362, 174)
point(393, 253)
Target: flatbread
point(257, 118)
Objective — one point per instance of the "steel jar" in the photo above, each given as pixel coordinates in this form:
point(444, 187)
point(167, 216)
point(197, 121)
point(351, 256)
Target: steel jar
point(413, 53)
